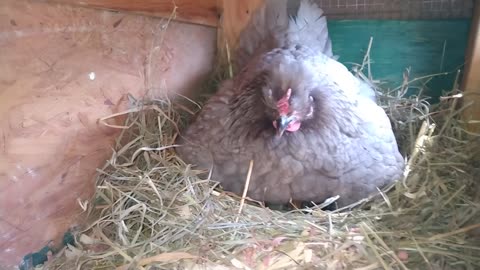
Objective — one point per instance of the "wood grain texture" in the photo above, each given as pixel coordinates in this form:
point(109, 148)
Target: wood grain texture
point(234, 17)
point(193, 11)
point(471, 80)
point(50, 140)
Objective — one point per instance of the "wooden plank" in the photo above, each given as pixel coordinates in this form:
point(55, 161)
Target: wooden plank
point(471, 80)
point(193, 11)
point(234, 17)
point(429, 49)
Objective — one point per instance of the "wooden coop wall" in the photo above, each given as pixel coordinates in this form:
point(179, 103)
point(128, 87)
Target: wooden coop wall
point(471, 80)
point(425, 36)
point(50, 139)
point(397, 9)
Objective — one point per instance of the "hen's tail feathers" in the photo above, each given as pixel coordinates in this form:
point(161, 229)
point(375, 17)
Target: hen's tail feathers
point(283, 22)
point(258, 36)
point(309, 27)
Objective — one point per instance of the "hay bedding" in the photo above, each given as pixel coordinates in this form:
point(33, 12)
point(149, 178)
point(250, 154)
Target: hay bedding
point(151, 211)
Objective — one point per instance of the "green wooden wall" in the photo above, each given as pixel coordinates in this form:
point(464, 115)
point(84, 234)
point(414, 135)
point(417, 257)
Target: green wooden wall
point(428, 47)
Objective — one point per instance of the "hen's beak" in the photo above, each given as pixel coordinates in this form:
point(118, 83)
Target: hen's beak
point(282, 123)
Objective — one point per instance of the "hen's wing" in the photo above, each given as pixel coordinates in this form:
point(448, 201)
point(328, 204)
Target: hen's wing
point(355, 148)
point(206, 139)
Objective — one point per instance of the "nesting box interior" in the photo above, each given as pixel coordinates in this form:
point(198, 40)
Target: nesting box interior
point(66, 64)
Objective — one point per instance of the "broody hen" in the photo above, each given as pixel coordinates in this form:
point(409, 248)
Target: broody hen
point(312, 129)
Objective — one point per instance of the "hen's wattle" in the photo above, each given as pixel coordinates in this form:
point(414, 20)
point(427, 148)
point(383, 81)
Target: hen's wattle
point(334, 139)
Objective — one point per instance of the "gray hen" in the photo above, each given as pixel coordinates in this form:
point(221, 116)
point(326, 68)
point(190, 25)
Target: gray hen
point(313, 129)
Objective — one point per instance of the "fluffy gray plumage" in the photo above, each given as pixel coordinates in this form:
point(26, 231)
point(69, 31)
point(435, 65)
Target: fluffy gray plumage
point(339, 141)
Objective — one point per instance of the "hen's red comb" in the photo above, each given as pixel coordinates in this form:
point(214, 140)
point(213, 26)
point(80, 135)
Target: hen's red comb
point(282, 104)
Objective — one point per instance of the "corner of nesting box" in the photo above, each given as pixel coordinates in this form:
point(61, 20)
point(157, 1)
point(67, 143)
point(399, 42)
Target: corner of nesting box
point(471, 79)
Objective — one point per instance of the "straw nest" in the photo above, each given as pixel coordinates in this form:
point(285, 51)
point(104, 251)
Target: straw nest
point(152, 211)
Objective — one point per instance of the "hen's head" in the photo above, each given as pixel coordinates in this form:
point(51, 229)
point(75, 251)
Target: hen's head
point(290, 98)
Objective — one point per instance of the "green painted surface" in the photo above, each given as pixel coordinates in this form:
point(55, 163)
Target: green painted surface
point(401, 44)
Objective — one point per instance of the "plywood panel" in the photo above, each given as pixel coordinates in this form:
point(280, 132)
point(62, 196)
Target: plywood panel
point(471, 81)
point(50, 141)
point(193, 11)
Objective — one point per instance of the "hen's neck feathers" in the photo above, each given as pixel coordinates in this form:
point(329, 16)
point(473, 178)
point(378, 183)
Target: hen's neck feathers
point(247, 118)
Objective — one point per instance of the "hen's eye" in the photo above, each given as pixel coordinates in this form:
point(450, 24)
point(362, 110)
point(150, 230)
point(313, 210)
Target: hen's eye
point(267, 94)
point(311, 98)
